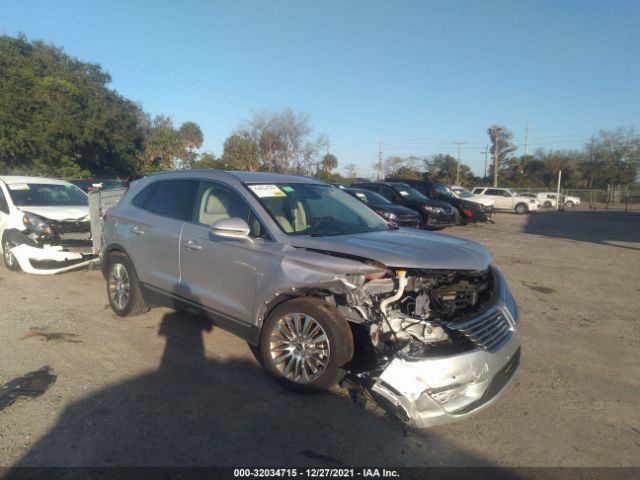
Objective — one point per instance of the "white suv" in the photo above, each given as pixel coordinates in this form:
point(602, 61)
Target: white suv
point(507, 199)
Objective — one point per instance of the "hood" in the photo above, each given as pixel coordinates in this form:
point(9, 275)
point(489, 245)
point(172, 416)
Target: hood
point(397, 209)
point(487, 202)
point(61, 213)
point(405, 248)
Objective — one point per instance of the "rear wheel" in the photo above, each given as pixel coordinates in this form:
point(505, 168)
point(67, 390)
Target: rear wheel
point(305, 343)
point(521, 208)
point(9, 258)
point(569, 204)
point(123, 288)
point(547, 204)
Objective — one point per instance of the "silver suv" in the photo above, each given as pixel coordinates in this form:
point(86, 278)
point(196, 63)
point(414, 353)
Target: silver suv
point(320, 287)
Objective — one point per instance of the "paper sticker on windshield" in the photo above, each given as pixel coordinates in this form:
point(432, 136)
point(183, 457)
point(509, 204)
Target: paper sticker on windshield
point(403, 193)
point(288, 189)
point(18, 186)
point(263, 191)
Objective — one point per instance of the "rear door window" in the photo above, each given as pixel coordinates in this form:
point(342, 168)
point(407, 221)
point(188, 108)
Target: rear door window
point(172, 198)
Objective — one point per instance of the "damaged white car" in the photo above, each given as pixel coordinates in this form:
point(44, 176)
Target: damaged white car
point(320, 287)
point(44, 225)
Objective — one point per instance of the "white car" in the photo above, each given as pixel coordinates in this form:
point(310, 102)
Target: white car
point(44, 225)
point(544, 200)
point(566, 200)
point(462, 192)
point(507, 199)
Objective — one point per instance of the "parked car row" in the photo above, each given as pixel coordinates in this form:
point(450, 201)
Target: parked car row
point(419, 203)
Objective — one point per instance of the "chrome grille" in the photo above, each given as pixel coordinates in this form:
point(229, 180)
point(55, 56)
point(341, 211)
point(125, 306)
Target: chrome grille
point(487, 331)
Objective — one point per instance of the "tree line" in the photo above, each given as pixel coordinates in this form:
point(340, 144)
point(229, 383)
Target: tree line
point(59, 117)
point(610, 158)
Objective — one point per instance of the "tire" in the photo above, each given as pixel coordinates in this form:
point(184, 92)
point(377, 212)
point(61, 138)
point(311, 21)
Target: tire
point(521, 208)
point(123, 288)
point(458, 217)
point(9, 258)
point(547, 204)
point(569, 204)
point(284, 342)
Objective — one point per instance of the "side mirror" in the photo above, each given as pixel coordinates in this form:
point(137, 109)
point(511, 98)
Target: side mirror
point(231, 228)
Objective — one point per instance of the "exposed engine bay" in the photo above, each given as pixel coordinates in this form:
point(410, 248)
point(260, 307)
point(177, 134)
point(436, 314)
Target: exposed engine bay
point(411, 314)
point(432, 345)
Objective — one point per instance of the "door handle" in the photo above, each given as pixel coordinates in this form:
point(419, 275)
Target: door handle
point(192, 245)
point(136, 230)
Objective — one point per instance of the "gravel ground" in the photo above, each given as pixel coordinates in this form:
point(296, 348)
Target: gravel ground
point(167, 388)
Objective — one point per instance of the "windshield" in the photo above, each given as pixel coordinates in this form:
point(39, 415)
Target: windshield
point(443, 189)
point(47, 195)
point(369, 197)
point(462, 192)
point(408, 193)
point(316, 210)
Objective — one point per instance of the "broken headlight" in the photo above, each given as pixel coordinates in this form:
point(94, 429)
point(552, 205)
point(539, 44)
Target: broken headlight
point(37, 224)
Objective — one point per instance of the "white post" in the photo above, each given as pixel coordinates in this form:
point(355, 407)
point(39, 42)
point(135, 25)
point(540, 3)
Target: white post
point(558, 194)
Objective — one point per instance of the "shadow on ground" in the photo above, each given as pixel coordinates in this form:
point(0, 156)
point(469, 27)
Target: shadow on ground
point(195, 411)
point(606, 228)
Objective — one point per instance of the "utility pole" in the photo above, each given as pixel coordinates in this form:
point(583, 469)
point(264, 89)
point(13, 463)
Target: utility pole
point(558, 193)
point(526, 140)
point(495, 159)
point(458, 169)
point(486, 154)
point(379, 164)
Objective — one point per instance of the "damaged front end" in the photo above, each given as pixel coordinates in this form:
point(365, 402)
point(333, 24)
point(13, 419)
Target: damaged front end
point(433, 346)
point(45, 247)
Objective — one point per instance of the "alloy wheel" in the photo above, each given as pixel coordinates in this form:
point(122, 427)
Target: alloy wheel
point(119, 286)
point(299, 347)
point(9, 257)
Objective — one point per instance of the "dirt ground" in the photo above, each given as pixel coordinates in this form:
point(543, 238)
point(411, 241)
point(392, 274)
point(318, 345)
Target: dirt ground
point(84, 387)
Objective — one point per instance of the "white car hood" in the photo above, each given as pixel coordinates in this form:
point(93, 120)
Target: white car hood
point(486, 201)
point(60, 213)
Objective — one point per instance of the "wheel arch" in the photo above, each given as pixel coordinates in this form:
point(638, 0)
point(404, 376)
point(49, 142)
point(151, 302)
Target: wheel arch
point(114, 247)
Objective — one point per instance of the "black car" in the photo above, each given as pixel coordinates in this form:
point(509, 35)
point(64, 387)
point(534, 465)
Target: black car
point(434, 214)
point(468, 211)
point(396, 214)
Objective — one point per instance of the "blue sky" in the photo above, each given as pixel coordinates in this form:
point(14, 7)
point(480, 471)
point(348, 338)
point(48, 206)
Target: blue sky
point(415, 75)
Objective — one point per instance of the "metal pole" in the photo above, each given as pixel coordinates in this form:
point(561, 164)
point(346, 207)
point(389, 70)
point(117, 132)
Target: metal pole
point(495, 160)
point(558, 193)
point(458, 168)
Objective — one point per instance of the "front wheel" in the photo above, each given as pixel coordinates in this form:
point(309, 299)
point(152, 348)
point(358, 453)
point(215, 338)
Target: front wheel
point(305, 343)
point(123, 288)
point(521, 208)
point(9, 258)
point(547, 204)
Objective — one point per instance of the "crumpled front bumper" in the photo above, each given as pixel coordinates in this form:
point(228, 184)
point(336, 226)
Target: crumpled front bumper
point(443, 389)
point(49, 260)
point(434, 391)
